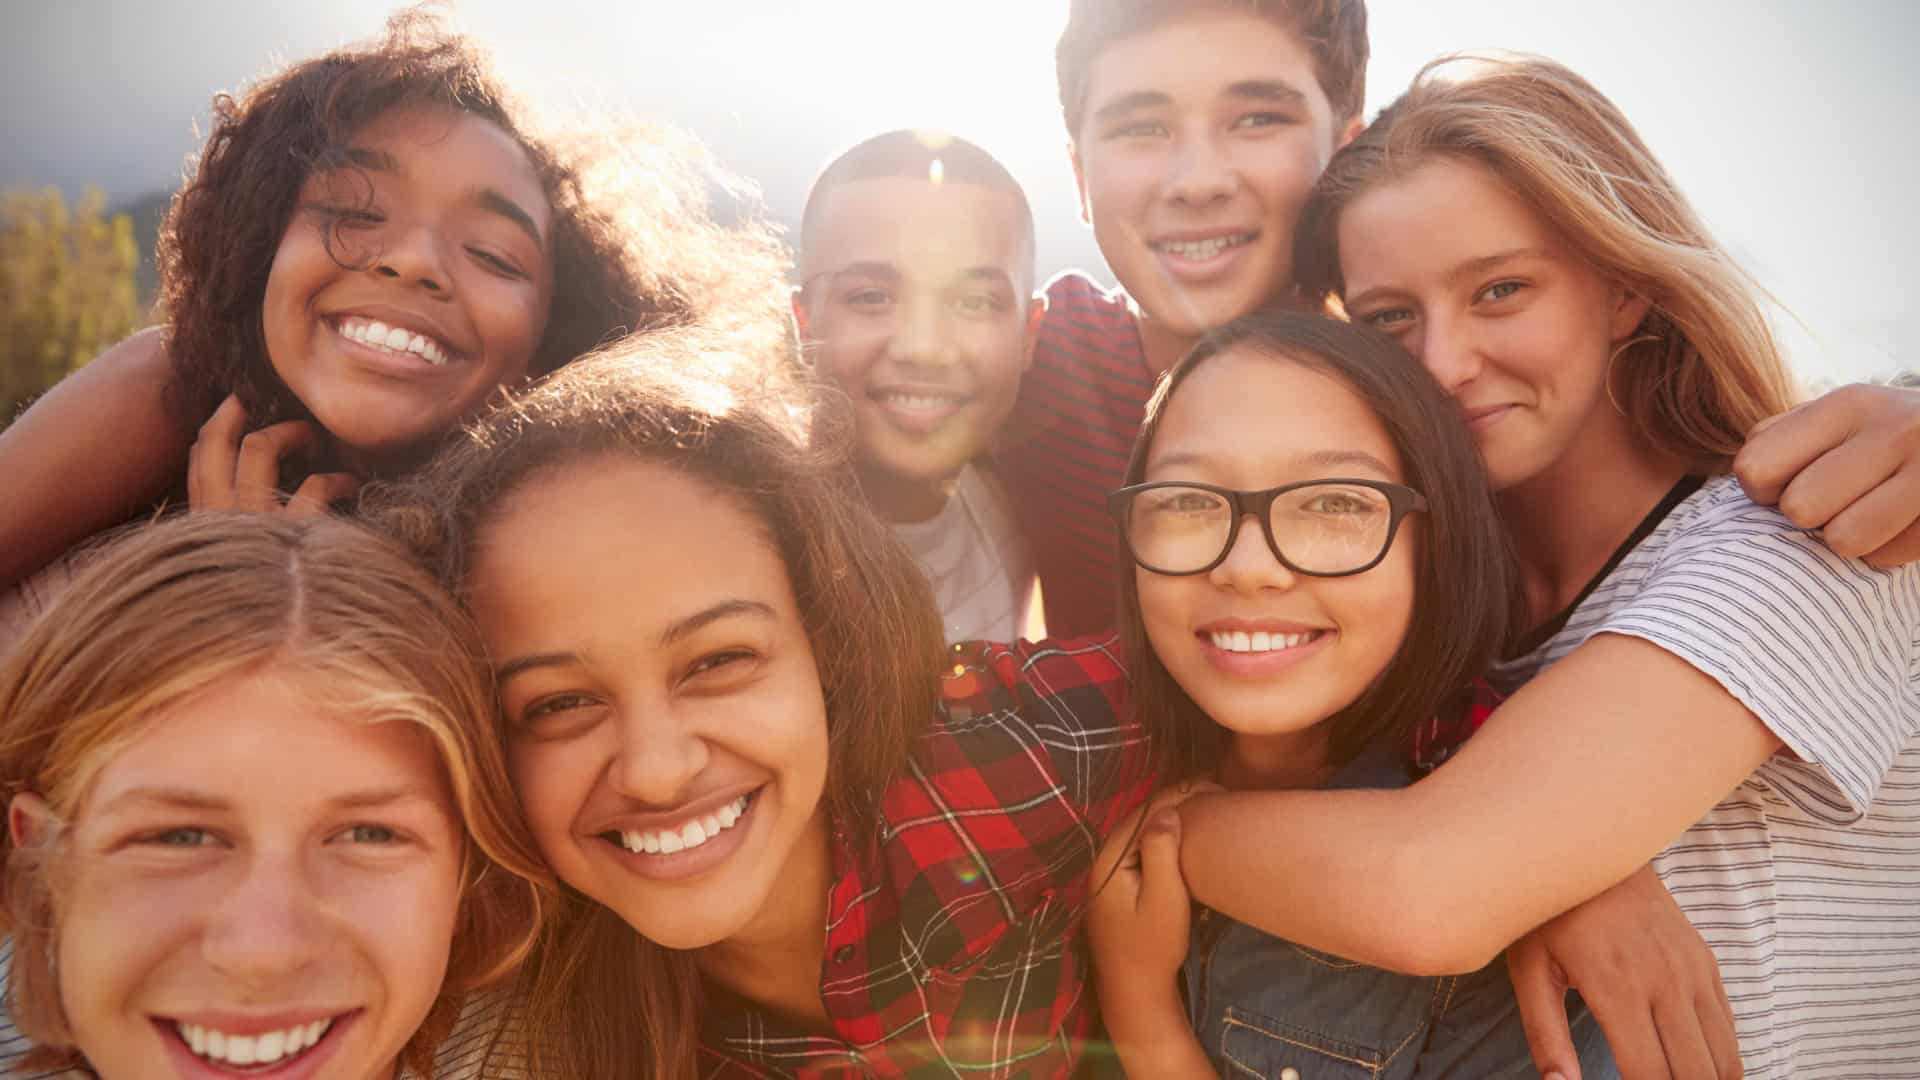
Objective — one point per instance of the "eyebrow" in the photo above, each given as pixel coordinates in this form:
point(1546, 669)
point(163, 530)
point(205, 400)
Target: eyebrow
point(1132, 101)
point(176, 798)
point(679, 630)
point(1471, 268)
point(1320, 459)
point(485, 198)
point(1274, 90)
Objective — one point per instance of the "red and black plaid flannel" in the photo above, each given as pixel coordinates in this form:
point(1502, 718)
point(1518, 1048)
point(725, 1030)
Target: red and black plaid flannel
point(952, 937)
point(1434, 740)
point(953, 944)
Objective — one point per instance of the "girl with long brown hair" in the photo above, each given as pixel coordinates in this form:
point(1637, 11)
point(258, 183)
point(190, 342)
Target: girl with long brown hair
point(1704, 684)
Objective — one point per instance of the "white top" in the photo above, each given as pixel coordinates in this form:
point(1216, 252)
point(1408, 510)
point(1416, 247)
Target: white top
point(476, 1050)
point(1805, 880)
point(977, 561)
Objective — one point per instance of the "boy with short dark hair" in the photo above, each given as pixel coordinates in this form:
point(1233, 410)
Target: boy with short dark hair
point(1197, 131)
point(916, 299)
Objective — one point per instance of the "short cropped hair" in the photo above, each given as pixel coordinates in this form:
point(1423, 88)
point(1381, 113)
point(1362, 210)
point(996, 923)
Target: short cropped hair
point(1334, 32)
point(911, 154)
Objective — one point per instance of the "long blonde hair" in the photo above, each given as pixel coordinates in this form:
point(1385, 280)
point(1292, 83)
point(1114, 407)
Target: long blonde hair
point(174, 608)
point(1703, 368)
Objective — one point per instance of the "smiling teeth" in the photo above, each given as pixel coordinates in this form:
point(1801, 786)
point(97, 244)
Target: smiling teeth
point(262, 1049)
point(918, 402)
point(376, 334)
point(689, 836)
point(1259, 640)
point(1203, 249)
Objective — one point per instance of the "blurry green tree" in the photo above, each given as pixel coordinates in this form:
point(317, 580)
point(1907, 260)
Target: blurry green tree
point(66, 289)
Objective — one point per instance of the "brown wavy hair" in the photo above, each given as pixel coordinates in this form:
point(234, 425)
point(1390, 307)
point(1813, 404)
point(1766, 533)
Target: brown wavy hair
point(1334, 32)
point(1466, 592)
point(602, 1000)
point(1703, 367)
point(634, 246)
point(171, 609)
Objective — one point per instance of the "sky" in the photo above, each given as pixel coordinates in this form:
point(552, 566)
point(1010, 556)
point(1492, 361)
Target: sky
point(1794, 126)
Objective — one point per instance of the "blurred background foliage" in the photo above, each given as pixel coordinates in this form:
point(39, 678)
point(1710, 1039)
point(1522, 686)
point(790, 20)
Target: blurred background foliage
point(69, 287)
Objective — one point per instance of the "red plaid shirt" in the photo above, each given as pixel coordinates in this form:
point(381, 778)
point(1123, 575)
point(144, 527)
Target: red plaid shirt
point(953, 926)
point(953, 944)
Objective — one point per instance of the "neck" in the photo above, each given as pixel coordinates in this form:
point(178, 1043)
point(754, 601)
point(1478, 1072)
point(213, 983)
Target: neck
point(1163, 345)
point(1568, 521)
point(776, 959)
point(902, 500)
point(1291, 759)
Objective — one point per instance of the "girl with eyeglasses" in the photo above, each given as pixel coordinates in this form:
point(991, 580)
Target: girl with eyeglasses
point(1317, 565)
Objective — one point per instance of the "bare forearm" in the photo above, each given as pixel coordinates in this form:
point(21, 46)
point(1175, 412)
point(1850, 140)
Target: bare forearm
point(1150, 1034)
point(1575, 783)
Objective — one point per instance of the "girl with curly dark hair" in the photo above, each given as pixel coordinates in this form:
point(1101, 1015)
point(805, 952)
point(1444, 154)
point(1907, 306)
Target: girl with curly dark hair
point(372, 243)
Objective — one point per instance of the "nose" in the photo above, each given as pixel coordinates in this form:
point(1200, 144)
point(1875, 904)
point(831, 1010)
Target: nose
point(1199, 173)
point(1448, 352)
point(921, 337)
point(269, 926)
point(411, 255)
point(1250, 564)
point(658, 758)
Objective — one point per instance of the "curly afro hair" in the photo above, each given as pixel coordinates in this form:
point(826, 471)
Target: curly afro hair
point(634, 246)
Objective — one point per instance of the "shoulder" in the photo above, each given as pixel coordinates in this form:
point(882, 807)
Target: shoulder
point(1058, 675)
point(1079, 307)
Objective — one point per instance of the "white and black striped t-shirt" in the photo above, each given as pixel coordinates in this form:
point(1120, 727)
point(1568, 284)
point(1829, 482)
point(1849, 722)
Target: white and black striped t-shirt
point(1806, 878)
point(481, 1046)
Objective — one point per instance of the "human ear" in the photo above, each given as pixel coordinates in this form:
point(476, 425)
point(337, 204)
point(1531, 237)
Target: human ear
point(1628, 310)
point(1036, 314)
point(1349, 133)
point(30, 821)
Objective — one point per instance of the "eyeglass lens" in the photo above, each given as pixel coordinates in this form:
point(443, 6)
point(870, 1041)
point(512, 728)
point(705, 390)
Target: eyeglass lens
point(1321, 528)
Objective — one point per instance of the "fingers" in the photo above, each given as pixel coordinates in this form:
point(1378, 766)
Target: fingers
point(1832, 480)
point(1899, 551)
point(319, 492)
point(256, 474)
point(1780, 446)
point(1540, 989)
point(1682, 1037)
point(210, 461)
point(1162, 891)
point(1633, 1037)
point(1715, 1011)
point(1878, 518)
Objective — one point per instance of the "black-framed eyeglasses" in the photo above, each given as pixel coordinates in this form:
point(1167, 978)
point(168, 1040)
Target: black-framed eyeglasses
point(1322, 528)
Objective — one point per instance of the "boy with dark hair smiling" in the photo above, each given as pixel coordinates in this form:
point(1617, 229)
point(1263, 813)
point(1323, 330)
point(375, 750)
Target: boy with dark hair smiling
point(916, 299)
point(1197, 131)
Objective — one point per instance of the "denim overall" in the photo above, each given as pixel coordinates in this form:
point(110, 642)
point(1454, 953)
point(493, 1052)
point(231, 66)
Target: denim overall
point(1268, 1008)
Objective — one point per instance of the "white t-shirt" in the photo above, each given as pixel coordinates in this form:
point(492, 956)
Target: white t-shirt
point(977, 561)
point(478, 1048)
point(1805, 880)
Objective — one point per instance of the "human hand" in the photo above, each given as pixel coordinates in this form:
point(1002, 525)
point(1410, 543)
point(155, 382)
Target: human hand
point(230, 468)
point(1645, 973)
point(1137, 924)
point(1848, 464)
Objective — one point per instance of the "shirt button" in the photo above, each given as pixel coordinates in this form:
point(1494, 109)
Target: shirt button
point(845, 953)
point(1289, 1073)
